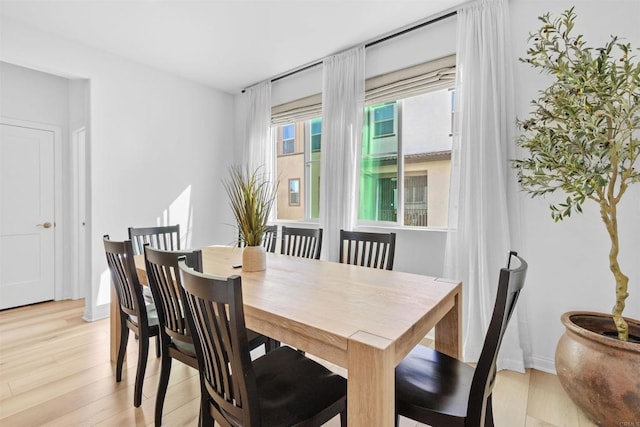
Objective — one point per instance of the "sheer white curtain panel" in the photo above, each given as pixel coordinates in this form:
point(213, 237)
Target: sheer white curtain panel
point(342, 111)
point(479, 236)
point(258, 148)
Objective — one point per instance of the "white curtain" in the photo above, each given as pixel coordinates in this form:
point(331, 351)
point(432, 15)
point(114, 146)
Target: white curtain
point(258, 146)
point(479, 236)
point(342, 111)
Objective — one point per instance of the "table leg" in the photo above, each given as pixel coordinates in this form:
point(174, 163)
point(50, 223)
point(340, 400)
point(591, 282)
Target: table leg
point(114, 326)
point(371, 386)
point(448, 331)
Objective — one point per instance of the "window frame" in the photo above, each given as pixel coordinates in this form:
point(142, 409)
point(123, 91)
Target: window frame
point(400, 211)
point(308, 162)
point(303, 136)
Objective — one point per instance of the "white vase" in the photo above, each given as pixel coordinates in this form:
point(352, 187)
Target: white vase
point(254, 258)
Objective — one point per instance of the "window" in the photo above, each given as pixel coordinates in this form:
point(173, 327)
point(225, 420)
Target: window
point(299, 200)
point(404, 142)
point(405, 157)
point(288, 139)
point(384, 120)
point(294, 192)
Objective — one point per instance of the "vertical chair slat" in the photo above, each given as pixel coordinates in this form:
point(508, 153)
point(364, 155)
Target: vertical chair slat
point(367, 249)
point(301, 242)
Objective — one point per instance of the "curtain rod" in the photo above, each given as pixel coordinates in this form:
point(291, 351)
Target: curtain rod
point(368, 44)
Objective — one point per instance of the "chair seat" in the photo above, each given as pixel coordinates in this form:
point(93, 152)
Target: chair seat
point(427, 378)
point(186, 348)
point(292, 388)
point(152, 315)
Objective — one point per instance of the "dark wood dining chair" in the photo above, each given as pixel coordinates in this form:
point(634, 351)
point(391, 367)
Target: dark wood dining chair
point(438, 390)
point(175, 335)
point(375, 250)
point(301, 242)
point(165, 237)
point(281, 388)
point(135, 314)
point(268, 241)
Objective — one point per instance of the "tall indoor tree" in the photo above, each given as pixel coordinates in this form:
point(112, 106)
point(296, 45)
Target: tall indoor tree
point(582, 137)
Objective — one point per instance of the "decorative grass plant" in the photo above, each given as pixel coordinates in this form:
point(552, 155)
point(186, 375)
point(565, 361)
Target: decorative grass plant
point(251, 196)
point(583, 135)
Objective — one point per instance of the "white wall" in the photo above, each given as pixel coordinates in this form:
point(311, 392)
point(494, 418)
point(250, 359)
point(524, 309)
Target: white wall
point(34, 96)
point(158, 146)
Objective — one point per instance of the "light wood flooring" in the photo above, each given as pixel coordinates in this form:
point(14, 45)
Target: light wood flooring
point(55, 371)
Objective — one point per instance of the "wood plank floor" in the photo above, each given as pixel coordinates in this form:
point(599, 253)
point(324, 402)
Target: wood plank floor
point(55, 371)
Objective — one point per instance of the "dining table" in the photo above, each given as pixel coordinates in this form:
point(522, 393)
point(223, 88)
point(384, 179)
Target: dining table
point(363, 319)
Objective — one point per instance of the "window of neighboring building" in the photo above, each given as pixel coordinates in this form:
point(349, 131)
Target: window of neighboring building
point(294, 192)
point(288, 139)
point(383, 120)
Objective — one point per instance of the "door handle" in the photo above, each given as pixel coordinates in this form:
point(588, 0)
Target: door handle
point(45, 225)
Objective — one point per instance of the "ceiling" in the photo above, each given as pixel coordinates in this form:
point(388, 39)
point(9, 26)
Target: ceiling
point(226, 44)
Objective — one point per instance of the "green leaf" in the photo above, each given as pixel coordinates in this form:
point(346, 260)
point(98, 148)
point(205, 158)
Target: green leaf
point(251, 197)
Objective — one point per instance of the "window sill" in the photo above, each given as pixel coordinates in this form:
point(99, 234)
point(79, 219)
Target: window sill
point(396, 227)
point(295, 223)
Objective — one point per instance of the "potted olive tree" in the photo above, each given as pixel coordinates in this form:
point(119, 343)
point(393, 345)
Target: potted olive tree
point(583, 138)
point(251, 196)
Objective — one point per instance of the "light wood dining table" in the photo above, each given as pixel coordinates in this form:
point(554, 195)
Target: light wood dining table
point(365, 320)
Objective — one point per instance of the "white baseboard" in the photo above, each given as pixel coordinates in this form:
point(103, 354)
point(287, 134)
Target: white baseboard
point(511, 365)
point(93, 313)
point(542, 364)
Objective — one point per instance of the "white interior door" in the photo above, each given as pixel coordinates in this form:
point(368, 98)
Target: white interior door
point(27, 238)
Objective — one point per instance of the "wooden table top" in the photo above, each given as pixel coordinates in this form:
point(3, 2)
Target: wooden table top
point(331, 302)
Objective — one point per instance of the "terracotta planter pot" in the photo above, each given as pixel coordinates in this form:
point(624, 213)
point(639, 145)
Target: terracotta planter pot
point(600, 374)
point(254, 258)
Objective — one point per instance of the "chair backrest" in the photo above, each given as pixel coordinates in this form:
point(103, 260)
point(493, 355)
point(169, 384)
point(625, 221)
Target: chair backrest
point(301, 242)
point(168, 294)
point(220, 340)
point(268, 240)
point(125, 278)
point(165, 237)
point(375, 250)
point(510, 284)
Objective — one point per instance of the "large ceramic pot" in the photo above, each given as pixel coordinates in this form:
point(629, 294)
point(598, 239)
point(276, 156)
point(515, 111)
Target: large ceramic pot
point(599, 373)
point(254, 258)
